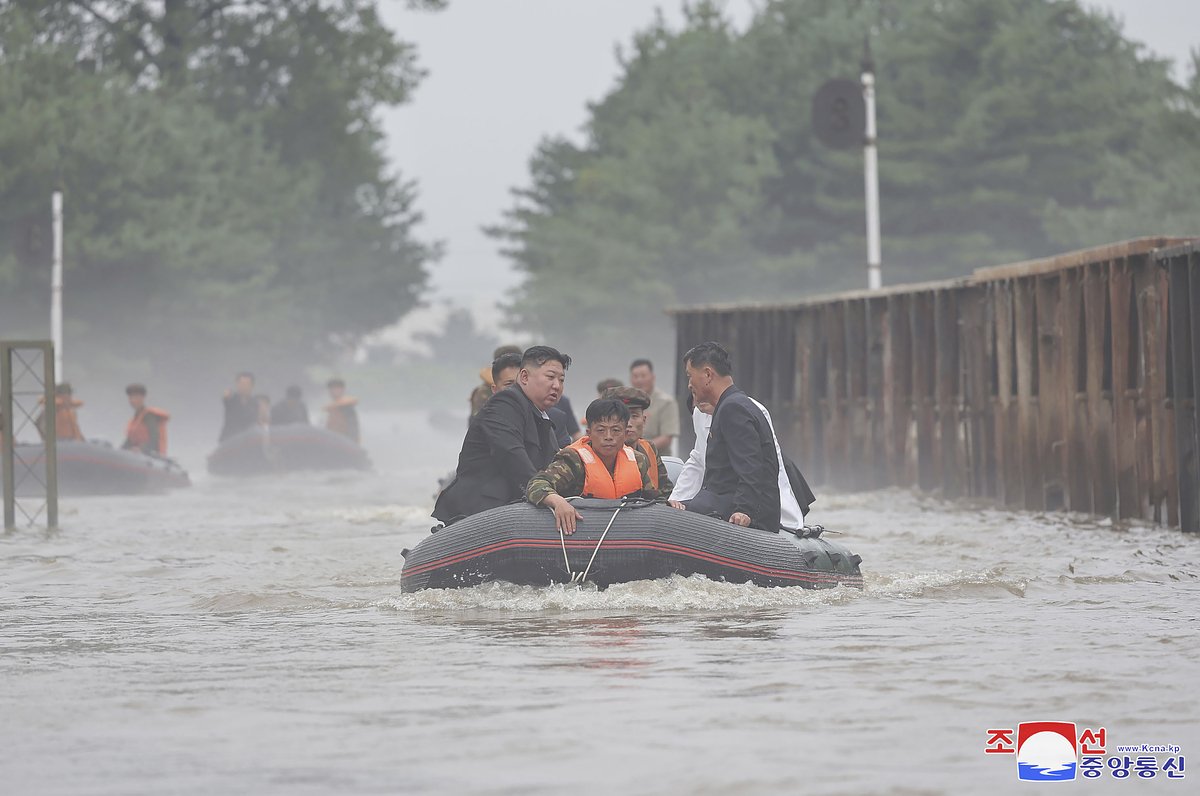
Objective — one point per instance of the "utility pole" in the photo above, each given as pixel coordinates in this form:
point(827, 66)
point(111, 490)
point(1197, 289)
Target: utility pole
point(56, 285)
point(871, 171)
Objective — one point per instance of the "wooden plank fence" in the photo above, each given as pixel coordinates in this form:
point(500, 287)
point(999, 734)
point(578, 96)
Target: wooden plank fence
point(1069, 383)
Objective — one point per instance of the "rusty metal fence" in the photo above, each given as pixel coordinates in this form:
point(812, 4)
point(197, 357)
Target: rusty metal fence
point(1064, 383)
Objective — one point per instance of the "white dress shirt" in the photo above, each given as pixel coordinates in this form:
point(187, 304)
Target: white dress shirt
point(692, 475)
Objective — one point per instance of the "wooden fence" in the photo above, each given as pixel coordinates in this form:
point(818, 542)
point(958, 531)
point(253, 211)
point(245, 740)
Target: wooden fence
point(1064, 383)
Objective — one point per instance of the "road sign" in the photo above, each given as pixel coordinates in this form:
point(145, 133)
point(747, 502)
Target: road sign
point(839, 115)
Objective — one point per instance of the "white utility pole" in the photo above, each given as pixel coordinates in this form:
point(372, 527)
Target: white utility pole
point(56, 285)
point(871, 173)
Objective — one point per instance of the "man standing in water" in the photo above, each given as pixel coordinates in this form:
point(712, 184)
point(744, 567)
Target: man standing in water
point(241, 407)
point(508, 441)
point(341, 414)
point(741, 474)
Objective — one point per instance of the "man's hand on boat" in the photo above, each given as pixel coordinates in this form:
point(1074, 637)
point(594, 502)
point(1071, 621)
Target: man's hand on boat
point(741, 519)
point(676, 504)
point(565, 515)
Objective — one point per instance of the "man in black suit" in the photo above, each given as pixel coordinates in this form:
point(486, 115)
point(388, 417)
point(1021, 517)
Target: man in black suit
point(509, 441)
point(741, 474)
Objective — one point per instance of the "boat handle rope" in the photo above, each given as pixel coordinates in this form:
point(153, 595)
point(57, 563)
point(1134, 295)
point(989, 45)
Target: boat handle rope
point(579, 578)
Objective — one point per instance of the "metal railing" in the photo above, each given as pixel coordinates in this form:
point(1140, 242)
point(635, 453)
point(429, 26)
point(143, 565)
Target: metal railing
point(28, 450)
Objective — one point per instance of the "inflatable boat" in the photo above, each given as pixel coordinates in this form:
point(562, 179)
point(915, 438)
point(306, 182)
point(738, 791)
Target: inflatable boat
point(618, 542)
point(93, 467)
point(295, 446)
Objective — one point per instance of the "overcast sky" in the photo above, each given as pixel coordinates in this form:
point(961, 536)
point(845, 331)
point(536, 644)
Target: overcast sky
point(505, 73)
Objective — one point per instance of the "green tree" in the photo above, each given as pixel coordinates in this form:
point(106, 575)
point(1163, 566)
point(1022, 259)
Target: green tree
point(1007, 130)
point(224, 171)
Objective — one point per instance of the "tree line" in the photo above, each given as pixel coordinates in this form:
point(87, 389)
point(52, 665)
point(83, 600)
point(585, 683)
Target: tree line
point(1006, 131)
point(228, 198)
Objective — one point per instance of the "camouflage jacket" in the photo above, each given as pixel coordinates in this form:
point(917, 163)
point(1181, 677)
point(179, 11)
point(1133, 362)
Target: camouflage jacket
point(565, 475)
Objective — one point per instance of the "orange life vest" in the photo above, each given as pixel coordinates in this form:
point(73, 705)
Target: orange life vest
point(599, 482)
point(66, 422)
point(137, 434)
point(338, 421)
point(648, 449)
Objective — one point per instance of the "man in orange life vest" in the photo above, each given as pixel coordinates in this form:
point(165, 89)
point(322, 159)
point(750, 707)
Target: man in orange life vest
point(343, 417)
point(66, 422)
point(147, 431)
point(638, 402)
point(599, 465)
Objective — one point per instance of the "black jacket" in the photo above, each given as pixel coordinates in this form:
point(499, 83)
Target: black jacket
point(506, 443)
point(289, 410)
point(240, 414)
point(741, 471)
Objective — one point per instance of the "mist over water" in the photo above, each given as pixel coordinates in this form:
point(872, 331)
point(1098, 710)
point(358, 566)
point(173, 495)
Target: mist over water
point(250, 636)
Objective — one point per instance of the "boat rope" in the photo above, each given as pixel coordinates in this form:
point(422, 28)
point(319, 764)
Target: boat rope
point(563, 539)
point(588, 568)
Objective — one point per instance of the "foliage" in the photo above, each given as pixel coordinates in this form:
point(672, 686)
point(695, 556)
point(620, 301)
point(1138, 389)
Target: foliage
point(224, 175)
point(1007, 130)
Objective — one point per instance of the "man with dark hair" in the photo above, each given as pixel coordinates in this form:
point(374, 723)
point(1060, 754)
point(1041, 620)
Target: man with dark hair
point(638, 402)
point(147, 431)
point(241, 408)
point(505, 369)
point(342, 414)
point(508, 441)
point(662, 419)
point(484, 391)
point(66, 421)
point(599, 465)
point(291, 409)
point(605, 385)
point(741, 474)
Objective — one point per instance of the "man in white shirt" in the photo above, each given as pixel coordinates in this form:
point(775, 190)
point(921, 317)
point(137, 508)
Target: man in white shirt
point(692, 475)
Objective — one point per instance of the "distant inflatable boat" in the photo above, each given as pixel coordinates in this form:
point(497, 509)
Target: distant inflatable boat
point(617, 543)
point(295, 446)
point(97, 468)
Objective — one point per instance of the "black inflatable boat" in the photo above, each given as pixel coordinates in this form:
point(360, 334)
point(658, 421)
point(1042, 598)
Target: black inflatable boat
point(295, 446)
point(97, 468)
point(616, 543)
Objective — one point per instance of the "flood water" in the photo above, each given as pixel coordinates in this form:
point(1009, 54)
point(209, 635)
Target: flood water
point(251, 637)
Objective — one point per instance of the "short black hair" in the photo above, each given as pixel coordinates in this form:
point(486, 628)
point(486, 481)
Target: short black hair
point(135, 389)
point(712, 354)
point(637, 363)
point(604, 408)
point(335, 383)
point(247, 374)
point(538, 355)
point(63, 388)
point(293, 392)
point(605, 384)
point(503, 363)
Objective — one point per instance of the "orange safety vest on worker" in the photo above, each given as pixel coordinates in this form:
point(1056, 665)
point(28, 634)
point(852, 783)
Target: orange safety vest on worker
point(598, 482)
point(137, 433)
point(652, 455)
point(342, 417)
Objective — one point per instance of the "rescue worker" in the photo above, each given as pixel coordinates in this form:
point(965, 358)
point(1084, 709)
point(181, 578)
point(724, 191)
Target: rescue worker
point(66, 421)
point(147, 431)
point(481, 393)
point(599, 465)
point(241, 409)
point(291, 409)
point(342, 416)
point(508, 441)
point(637, 401)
